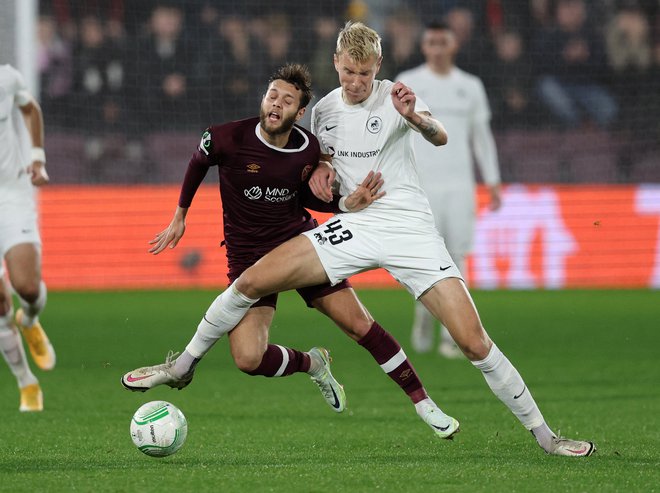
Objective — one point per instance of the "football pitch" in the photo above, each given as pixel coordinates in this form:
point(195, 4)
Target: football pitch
point(589, 357)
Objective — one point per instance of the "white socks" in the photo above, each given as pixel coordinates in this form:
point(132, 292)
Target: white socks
point(507, 384)
point(31, 311)
point(11, 347)
point(223, 315)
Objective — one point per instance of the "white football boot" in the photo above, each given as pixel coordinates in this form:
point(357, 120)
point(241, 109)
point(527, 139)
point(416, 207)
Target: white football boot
point(148, 377)
point(571, 448)
point(443, 425)
point(332, 391)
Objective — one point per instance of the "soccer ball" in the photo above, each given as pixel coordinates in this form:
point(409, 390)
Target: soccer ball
point(158, 429)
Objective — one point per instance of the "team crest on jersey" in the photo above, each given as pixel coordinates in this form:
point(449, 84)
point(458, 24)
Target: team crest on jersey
point(253, 193)
point(374, 124)
point(305, 172)
point(205, 143)
point(253, 168)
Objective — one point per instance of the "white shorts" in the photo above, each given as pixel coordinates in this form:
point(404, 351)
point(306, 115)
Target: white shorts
point(16, 227)
point(414, 253)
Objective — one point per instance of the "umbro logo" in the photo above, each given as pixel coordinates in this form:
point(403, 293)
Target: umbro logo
point(328, 127)
point(253, 168)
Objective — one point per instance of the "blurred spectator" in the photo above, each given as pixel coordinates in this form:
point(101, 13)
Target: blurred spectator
point(400, 43)
point(512, 83)
point(207, 19)
point(274, 48)
point(55, 67)
point(224, 71)
point(162, 71)
point(475, 53)
point(570, 59)
point(540, 12)
point(324, 75)
point(99, 79)
point(630, 56)
point(98, 97)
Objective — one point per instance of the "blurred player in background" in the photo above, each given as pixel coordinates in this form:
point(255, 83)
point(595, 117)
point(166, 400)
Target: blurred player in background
point(264, 164)
point(365, 125)
point(447, 174)
point(22, 167)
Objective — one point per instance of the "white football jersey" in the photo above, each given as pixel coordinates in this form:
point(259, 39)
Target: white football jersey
point(15, 185)
point(372, 136)
point(459, 101)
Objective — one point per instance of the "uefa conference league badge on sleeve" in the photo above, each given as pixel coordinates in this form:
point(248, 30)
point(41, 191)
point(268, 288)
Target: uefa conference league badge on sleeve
point(205, 144)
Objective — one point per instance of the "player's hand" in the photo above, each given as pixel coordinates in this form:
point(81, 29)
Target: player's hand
point(403, 99)
point(366, 193)
point(169, 236)
point(38, 174)
point(321, 181)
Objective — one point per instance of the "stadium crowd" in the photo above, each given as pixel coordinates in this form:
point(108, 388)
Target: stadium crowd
point(118, 68)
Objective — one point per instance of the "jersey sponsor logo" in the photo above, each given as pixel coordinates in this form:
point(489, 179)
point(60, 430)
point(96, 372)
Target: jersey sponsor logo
point(358, 154)
point(274, 195)
point(279, 194)
point(320, 238)
point(253, 193)
point(306, 171)
point(205, 143)
point(374, 124)
point(253, 168)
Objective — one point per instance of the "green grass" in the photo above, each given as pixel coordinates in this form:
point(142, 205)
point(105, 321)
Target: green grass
point(590, 358)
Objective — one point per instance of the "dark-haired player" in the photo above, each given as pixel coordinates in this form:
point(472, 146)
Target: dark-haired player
point(263, 164)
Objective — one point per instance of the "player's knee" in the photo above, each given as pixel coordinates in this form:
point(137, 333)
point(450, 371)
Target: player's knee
point(476, 348)
point(27, 289)
point(248, 285)
point(359, 327)
point(247, 361)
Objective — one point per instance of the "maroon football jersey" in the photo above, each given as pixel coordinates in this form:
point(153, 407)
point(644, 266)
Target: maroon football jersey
point(264, 188)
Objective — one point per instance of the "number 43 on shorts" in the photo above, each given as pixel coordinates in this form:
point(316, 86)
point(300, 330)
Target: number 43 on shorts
point(336, 233)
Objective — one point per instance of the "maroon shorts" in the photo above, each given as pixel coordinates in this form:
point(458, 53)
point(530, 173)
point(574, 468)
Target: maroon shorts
point(308, 294)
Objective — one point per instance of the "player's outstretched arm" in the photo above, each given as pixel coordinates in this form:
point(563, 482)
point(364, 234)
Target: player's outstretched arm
point(365, 194)
point(404, 99)
point(171, 235)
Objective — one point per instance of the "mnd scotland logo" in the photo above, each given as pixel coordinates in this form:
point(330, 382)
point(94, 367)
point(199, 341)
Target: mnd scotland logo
point(253, 193)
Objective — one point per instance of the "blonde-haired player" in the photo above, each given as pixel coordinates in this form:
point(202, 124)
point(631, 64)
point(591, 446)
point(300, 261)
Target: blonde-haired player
point(447, 173)
point(366, 125)
point(22, 167)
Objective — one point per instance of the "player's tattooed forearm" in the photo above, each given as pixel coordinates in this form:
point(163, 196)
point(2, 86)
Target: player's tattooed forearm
point(428, 128)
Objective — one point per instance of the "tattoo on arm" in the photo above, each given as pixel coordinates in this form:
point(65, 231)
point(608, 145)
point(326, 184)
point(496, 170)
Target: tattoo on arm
point(431, 129)
point(427, 127)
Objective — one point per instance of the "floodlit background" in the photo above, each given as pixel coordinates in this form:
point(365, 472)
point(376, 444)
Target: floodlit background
point(127, 87)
